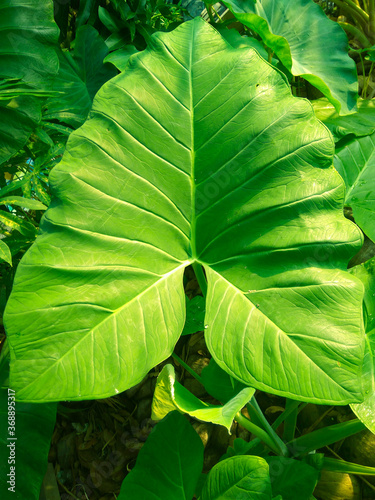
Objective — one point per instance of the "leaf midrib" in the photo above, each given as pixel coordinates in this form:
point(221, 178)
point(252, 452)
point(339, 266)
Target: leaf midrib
point(316, 366)
point(108, 318)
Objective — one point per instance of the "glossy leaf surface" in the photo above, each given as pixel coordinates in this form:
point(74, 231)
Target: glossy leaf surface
point(307, 43)
point(171, 395)
point(355, 162)
point(168, 465)
point(170, 170)
point(244, 477)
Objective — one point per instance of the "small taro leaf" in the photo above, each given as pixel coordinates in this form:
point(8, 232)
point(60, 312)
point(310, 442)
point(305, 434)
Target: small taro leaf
point(170, 395)
point(28, 35)
point(195, 312)
point(355, 162)
point(5, 252)
point(120, 57)
point(237, 478)
point(219, 384)
point(169, 464)
point(292, 479)
point(34, 425)
point(366, 411)
point(307, 43)
point(81, 75)
point(241, 181)
point(360, 123)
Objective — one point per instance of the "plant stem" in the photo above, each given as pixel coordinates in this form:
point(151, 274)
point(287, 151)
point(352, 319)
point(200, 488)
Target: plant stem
point(290, 421)
point(323, 437)
point(257, 431)
point(209, 12)
point(356, 12)
point(349, 28)
point(364, 76)
point(217, 14)
point(280, 419)
point(200, 277)
point(368, 79)
point(283, 450)
point(187, 367)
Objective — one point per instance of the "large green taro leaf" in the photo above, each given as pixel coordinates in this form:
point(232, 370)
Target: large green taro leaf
point(27, 38)
point(355, 162)
point(306, 42)
point(196, 152)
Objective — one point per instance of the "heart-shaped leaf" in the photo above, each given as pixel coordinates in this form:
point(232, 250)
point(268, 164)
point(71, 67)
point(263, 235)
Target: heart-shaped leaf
point(307, 43)
point(169, 464)
point(199, 153)
point(171, 395)
point(244, 477)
